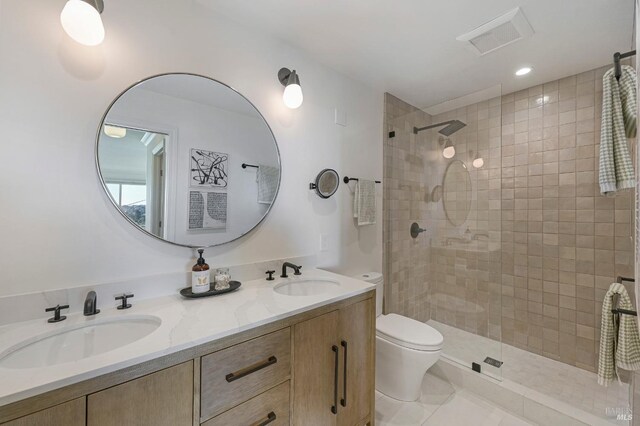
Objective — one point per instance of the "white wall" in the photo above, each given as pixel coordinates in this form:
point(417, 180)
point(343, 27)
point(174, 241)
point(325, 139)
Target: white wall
point(58, 227)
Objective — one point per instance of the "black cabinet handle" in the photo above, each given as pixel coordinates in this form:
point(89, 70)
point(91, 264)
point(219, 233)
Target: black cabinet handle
point(334, 407)
point(343, 401)
point(251, 369)
point(270, 418)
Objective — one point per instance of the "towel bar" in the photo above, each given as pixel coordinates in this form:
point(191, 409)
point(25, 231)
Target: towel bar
point(624, 311)
point(347, 179)
point(616, 61)
point(619, 280)
point(245, 165)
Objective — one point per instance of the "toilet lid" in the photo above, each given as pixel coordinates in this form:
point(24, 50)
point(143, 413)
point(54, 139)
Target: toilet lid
point(408, 333)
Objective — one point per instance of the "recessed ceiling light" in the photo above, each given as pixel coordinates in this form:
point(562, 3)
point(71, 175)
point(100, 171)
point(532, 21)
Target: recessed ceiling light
point(523, 71)
point(115, 131)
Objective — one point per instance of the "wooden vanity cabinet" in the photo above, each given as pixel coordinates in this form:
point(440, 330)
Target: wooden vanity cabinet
point(71, 413)
point(333, 367)
point(313, 368)
point(163, 398)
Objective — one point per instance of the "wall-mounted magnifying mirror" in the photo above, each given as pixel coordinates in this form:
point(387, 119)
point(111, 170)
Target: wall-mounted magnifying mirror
point(188, 160)
point(326, 183)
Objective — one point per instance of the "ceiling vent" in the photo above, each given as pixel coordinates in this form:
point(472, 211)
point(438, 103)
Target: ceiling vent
point(500, 32)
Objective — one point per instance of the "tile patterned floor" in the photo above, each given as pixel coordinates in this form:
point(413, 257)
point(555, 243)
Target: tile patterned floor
point(442, 405)
point(557, 380)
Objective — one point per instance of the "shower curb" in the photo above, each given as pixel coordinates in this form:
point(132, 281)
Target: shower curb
point(517, 399)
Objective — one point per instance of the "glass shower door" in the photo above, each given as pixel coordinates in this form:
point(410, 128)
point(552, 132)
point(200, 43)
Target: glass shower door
point(466, 249)
point(443, 172)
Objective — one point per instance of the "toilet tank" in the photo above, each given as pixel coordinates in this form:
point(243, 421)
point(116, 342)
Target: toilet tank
point(377, 279)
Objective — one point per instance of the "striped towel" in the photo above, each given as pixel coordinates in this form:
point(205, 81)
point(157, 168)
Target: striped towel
point(619, 112)
point(619, 343)
point(364, 202)
point(267, 178)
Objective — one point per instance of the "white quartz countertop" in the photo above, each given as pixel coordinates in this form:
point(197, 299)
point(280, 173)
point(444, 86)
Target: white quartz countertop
point(186, 323)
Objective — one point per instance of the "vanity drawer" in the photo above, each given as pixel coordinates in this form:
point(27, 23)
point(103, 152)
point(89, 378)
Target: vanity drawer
point(269, 408)
point(236, 374)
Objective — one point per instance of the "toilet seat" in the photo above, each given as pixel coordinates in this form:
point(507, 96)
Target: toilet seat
point(408, 333)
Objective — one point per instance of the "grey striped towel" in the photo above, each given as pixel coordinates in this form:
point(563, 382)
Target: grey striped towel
point(619, 343)
point(619, 111)
point(267, 178)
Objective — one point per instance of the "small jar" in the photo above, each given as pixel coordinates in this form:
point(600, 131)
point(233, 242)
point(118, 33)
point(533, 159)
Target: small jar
point(222, 279)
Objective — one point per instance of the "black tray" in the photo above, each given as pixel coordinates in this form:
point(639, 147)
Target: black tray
point(233, 286)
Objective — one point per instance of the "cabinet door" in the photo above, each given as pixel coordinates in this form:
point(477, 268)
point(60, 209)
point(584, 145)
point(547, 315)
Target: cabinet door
point(161, 398)
point(315, 360)
point(70, 413)
point(357, 373)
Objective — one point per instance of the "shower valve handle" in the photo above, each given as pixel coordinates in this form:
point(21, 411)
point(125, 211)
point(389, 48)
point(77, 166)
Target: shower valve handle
point(416, 230)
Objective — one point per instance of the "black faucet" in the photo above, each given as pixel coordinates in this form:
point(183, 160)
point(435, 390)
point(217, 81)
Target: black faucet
point(90, 304)
point(286, 265)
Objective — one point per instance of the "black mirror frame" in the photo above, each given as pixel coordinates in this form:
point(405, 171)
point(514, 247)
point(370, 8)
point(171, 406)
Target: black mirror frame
point(315, 185)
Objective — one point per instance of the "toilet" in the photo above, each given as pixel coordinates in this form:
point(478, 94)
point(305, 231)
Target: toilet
point(405, 349)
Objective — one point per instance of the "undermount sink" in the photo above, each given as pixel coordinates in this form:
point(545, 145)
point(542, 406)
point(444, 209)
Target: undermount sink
point(305, 287)
point(78, 342)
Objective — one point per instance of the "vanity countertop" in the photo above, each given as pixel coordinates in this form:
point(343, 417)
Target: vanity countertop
point(186, 323)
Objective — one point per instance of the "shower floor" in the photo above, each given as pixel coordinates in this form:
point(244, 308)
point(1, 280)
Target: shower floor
point(574, 386)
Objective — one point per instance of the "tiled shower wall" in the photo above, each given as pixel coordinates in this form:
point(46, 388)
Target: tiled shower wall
point(406, 260)
point(563, 243)
point(560, 243)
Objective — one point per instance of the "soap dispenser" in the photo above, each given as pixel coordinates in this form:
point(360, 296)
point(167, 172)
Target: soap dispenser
point(200, 275)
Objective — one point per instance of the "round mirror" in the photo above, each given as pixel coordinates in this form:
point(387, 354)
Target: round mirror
point(457, 192)
point(326, 183)
point(188, 160)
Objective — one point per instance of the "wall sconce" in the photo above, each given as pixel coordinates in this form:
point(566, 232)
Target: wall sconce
point(82, 22)
point(292, 96)
point(449, 150)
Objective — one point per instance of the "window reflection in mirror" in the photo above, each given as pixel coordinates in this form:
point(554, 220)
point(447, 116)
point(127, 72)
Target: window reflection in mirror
point(134, 174)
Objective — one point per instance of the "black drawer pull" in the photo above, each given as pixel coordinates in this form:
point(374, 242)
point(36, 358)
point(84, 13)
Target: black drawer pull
point(343, 401)
point(270, 417)
point(334, 407)
point(251, 369)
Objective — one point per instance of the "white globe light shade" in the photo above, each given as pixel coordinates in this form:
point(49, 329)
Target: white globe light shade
point(292, 96)
point(82, 22)
point(449, 152)
point(478, 162)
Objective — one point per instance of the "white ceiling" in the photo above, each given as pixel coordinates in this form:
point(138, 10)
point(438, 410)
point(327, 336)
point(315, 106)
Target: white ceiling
point(409, 47)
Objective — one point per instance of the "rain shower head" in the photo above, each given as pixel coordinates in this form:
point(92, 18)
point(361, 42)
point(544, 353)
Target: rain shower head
point(450, 128)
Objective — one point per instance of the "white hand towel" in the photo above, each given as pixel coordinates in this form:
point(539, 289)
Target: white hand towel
point(619, 112)
point(364, 202)
point(267, 179)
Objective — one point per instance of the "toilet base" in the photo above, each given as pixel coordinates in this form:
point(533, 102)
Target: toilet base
point(399, 370)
